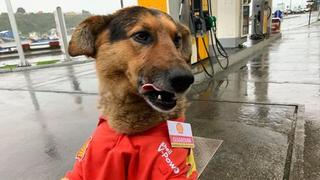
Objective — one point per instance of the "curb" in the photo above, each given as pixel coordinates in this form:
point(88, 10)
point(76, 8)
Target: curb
point(28, 68)
point(5, 57)
point(297, 160)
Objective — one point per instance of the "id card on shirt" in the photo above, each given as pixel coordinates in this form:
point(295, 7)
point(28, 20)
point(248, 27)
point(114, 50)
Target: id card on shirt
point(180, 134)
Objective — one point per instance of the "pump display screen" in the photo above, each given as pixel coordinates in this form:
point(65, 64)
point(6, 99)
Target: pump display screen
point(245, 20)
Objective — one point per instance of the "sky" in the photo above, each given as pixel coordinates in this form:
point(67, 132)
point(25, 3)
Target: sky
point(94, 6)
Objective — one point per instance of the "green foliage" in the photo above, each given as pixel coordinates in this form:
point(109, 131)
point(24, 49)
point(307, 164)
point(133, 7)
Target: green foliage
point(74, 20)
point(240, 46)
point(39, 22)
point(9, 66)
point(47, 62)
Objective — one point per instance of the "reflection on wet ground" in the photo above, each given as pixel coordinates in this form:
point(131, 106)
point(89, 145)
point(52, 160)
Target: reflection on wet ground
point(255, 138)
point(288, 72)
point(47, 114)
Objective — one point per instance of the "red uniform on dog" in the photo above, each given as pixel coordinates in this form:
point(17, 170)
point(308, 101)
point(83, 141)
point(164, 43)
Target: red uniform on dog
point(145, 156)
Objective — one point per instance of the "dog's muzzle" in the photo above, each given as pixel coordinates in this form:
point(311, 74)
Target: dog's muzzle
point(163, 91)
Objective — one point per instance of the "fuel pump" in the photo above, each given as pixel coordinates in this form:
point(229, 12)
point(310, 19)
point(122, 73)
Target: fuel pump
point(261, 19)
point(198, 16)
point(204, 25)
point(199, 30)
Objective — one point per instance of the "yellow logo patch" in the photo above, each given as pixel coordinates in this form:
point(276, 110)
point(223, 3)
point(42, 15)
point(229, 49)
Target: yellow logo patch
point(82, 151)
point(190, 161)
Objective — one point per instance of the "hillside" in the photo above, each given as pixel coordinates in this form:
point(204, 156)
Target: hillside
point(41, 23)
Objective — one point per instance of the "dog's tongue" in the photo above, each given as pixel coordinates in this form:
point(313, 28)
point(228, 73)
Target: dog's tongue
point(149, 87)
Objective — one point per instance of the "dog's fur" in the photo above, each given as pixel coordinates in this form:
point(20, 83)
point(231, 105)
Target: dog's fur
point(121, 62)
point(124, 64)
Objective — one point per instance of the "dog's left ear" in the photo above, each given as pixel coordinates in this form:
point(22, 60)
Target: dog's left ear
point(84, 36)
point(186, 40)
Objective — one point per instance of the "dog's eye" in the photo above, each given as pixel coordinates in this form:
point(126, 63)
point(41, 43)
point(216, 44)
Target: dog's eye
point(177, 41)
point(142, 37)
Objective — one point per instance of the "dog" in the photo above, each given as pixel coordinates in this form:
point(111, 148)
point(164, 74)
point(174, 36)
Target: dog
point(142, 59)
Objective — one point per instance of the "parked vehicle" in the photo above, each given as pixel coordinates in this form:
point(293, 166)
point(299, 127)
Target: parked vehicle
point(306, 9)
point(298, 10)
point(287, 11)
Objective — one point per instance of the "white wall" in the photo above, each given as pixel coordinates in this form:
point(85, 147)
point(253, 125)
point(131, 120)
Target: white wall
point(228, 19)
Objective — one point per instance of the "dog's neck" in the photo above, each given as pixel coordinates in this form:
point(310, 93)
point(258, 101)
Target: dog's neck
point(132, 114)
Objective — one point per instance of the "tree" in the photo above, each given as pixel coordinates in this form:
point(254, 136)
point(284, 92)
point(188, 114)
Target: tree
point(40, 23)
point(20, 10)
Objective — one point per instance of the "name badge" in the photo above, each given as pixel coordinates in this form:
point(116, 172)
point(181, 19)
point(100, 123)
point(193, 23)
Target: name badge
point(180, 134)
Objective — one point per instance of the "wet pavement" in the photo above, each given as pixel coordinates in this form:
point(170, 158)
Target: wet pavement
point(286, 73)
point(255, 138)
point(293, 21)
point(47, 114)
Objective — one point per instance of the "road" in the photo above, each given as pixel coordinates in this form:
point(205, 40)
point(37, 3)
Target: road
point(291, 22)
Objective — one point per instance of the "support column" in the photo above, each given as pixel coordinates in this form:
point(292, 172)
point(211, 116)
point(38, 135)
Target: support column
point(14, 28)
point(318, 17)
point(62, 31)
point(121, 1)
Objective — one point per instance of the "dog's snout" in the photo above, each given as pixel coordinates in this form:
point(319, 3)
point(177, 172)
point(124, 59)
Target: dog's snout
point(180, 79)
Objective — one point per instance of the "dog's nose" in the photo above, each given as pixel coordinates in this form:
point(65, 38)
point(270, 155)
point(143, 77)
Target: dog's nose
point(180, 79)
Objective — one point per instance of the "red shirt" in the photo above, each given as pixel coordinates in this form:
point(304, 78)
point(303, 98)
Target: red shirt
point(145, 156)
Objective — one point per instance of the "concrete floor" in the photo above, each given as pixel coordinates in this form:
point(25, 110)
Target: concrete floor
point(47, 114)
point(288, 72)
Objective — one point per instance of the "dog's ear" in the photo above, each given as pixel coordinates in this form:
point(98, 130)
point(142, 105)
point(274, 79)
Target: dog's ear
point(186, 40)
point(84, 36)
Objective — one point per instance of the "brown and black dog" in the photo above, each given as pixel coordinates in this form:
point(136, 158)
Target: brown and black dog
point(142, 61)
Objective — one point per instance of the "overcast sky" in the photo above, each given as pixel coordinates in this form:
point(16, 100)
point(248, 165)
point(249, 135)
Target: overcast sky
point(94, 6)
